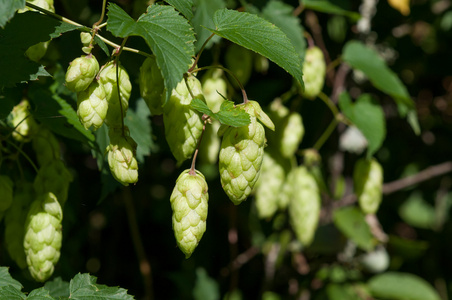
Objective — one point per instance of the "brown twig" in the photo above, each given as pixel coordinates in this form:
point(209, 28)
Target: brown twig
point(339, 81)
point(240, 260)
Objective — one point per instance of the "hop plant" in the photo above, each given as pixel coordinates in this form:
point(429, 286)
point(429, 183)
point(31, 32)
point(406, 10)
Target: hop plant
point(108, 79)
point(240, 62)
point(122, 157)
point(46, 146)
point(241, 154)
point(92, 106)
point(189, 204)
point(6, 190)
point(213, 86)
point(368, 182)
point(53, 177)
point(183, 125)
point(314, 70)
point(304, 205)
point(81, 73)
point(15, 220)
point(43, 236)
point(25, 126)
point(151, 85)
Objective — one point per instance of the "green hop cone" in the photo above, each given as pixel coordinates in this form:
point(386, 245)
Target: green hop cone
point(122, 157)
point(6, 190)
point(25, 126)
point(189, 204)
point(304, 205)
point(53, 177)
point(81, 73)
point(183, 125)
point(368, 182)
point(268, 186)
point(241, 154)
point(92, 106)
point(152, 85)
point(15, 220)
point(239, 61)
point(46, 146)
point(213, 86)
point(108, 79)
point(43, 236)
point(286, 189)
point(314, 70)
point(210, 144)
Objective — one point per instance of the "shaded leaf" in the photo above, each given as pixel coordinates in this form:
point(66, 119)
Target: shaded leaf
point(39, 294)
point(203, 19)
point(8, 8)
point(205, 287)
point(229, 114)
point(168, 34)
point(328, 7)
point(7, 280)
point(416, 212)
point(337, 291)
point(184, 6)
point(84, 287)
point(259, 35)
point(57, 288)
point(11, 293)
point(350, 221)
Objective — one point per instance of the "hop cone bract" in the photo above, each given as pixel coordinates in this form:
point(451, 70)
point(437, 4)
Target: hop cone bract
point(368, 181)
point(314, 70)
point(46, 146)
point(122, 158)
point(6, 192)
point(22, 120)
point(43, 236)
point(183, 125)
point(53, 177)
point(189, 204)
point(151, 85)
point(81, 73)
point(92, 106)
point(213, 86)
point(304, 205)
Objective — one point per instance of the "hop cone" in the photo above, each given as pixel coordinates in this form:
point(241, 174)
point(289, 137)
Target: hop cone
point(183, 125)
point(314, 70)
point(241, 154)
point(368, 181)
point(268, 186)
point(189, 204)
point(213, 86)
point(240, 62)
point(92, 106)
point(81, 73)
point(304, 205)
point(210, 145)
point(122, 158)
point(53, 177)
point(46, 146)
point(108, 80)
point(14, 223)
point(43, 235)
point(286, 190)
point(151, 85)
point(6, 190)
point(25, 126)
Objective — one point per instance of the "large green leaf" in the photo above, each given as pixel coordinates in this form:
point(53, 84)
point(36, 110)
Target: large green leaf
point(184, 6)
point(368, 116)
point(281, 15)
point(57, 288)
point(367, 60)
point(8, 8)
point(257, 34)
point(350, 221)
point(167, 33)
point(84, 287)
point(328, 7)
point(6, 279)
point(203, 19)
point(401, 286)
point(229, 114)
point(11, 293)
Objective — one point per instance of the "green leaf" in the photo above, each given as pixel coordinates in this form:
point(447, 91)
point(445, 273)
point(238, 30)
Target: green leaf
point(328, 7)
point(229, 114)
point(57, 288)
point(259, 35)
point(337, 291)
point(367, 60)
point(8, 9)
point(205, 287)
point(102, 45)
point(416, 212)
point(368, 116)
point(281, 15)
point(401, 286)
point(39, 294)
point(11, 293)
point(203, 19)
point(350, 221)
point(168, 34)
point(84, 287)
point(7, 280)
point(184, 6)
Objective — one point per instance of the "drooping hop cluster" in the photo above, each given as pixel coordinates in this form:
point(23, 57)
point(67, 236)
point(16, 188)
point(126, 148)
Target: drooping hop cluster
point(45, 146)
point(290, 129)
point(81, 73)
point(239, 61)
point(21, 119)
point(6, 190)
point(122, 157)
point(152, 85)
point(241, 153)
point(43, 236)
point(314, 70)
point(189, 204)
point(92, 106)
point(304, 205)
point(14, 222)
point(53, 177)
point(368, 184)
point(183, 125)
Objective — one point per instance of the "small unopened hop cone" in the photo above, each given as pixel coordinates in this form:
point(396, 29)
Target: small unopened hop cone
point(314, 70)
point(43, 236)
point(122, 157)
point(189, 204)
point(241, 153)
point(92, 106)
point(46, 146)
point(81, 73)
point(368, 184)
point(21, 119)
point(151, 85)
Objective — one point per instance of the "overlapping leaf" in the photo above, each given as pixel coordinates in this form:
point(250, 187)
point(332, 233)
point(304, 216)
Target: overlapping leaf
point(6, 279)
point(229, 114)
point(350, 221)
point(8, 8)
point(328, 7)
point(84, 287)
point(203, 19)
point(184, 6)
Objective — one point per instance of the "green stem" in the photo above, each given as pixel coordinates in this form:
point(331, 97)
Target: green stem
point(117, 84)
point(24, 154)
point(104, 4)
point(329, 103)
point(199, 53)
point(326, 134)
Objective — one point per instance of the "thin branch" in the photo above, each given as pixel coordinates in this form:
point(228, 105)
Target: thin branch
point(240, 260)
point(339, 81)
